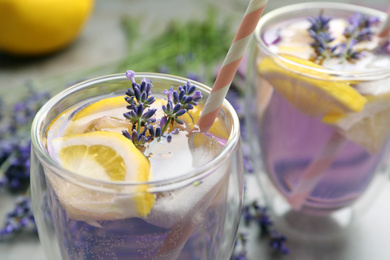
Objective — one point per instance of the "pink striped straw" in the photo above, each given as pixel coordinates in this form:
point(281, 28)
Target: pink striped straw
point(385, 31)
point(230, 65)
point(314, 173)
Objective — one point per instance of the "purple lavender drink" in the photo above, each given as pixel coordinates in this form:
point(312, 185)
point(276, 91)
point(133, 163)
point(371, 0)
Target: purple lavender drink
point(322, 89)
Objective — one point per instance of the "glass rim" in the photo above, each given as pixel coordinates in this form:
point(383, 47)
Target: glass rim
point(279, 12)
point(187, 177)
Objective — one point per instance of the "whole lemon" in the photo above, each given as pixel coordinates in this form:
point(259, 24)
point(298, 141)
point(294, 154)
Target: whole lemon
point(37, 27)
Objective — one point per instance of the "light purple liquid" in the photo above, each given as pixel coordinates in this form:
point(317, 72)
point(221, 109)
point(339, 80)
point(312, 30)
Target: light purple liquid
point(290, 141)
point(134, 238)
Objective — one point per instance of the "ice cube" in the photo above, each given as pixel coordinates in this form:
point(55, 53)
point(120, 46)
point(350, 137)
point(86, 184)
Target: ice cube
point(187, 202)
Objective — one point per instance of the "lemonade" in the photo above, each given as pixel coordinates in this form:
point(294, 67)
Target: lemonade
point(323, 94)
point(112, 189)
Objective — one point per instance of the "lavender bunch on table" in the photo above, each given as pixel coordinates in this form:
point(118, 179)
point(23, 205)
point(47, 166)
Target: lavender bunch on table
point(15, 141)
point(15, 158)
point(21, 217)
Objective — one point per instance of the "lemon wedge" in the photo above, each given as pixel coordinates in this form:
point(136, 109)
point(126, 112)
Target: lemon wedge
point(310, 91)
point(106, 156)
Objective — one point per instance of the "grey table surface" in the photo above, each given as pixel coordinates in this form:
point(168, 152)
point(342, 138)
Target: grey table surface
point(103, 42)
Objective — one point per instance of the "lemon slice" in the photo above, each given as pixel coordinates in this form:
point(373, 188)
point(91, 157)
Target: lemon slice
point(312, 92)
point(118, 104)
point(218, 128)
point(370, 128)
point(103, 115)
point(104, 156)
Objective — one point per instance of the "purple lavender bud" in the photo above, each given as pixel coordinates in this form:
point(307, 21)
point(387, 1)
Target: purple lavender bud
point(130, 75)
point(188, 100)
point(177, 120)
point(126, 134)
point(158, 132)
point(169, 93)
point(175, 131)
point(134, 136)
point(150, 120)
point(151, 130)
point(197, 96)
point(150, 100)
point(149, 113)
point(129, 92)
point(24, 222)
point(137, 93)
point(143, 97)
point(176, 108)
point(140, 110)
point(181, 94)
point(191, 89)
point(169, 107)
point(181, 112)
point(175, 97)
point(163, 120)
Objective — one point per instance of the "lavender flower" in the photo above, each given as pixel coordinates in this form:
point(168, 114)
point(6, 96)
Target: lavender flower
point(255, 212)
point(358, 30)
point(21, 217)
point(320, 23)
point(15, 141)
point(139, 98)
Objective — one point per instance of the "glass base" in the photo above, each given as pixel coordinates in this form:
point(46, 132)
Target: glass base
point(302, 226)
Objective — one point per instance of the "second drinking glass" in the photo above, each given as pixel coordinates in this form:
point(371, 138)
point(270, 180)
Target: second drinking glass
point(319, 108)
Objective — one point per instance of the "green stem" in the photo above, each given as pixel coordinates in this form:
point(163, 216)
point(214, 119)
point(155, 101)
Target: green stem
point(166, 124)
point(139, 126)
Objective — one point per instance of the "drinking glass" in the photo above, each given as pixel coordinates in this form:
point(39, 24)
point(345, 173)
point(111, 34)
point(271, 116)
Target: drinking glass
point(195, 216)
point(313, 171)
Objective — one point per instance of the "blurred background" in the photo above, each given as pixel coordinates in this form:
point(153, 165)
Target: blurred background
point(40, 55)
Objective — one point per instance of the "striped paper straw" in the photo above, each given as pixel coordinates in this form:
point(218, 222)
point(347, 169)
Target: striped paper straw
point(230, 65)
point(385, 31)
point(315, 171)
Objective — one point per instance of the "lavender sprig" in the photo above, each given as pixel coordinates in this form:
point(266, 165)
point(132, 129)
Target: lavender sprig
point(21, 217)
point(139, 98)
point(357, 30)
point(319, 31)
point(179, 102)
point(257, 213)
point(15, 141)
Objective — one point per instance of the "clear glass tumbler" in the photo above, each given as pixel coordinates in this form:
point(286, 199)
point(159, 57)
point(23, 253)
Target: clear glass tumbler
point(195, 215)
point(314, 164)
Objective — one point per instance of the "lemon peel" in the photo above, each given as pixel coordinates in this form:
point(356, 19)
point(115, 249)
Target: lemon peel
point(311, 91)
point(107, 156)
point(37, 27)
